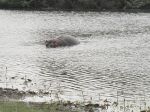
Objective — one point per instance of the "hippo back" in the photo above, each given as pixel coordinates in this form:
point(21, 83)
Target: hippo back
point(68, 41)
point(61, 41)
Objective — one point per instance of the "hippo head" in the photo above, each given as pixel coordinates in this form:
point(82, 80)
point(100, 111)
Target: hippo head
point(51, 43)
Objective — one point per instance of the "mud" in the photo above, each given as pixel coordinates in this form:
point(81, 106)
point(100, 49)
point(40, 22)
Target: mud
point(8, 93)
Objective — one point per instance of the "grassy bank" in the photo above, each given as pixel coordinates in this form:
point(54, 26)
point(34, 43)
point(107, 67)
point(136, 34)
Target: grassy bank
point(33, 107)
point(12, 106)
point(75, 4)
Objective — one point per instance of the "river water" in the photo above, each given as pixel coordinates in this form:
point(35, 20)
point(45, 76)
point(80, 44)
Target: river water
point(113, 56)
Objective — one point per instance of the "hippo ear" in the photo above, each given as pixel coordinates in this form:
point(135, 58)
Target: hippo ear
point(46, 41)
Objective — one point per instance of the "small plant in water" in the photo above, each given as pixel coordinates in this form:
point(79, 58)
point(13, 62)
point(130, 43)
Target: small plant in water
point(6, 76)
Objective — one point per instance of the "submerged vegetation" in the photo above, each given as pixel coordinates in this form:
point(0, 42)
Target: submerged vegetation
point(75, 4)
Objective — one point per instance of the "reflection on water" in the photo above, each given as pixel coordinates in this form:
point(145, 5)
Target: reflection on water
point(113, 54)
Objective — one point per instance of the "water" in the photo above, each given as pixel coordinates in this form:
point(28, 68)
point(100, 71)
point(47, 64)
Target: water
point(113, 54)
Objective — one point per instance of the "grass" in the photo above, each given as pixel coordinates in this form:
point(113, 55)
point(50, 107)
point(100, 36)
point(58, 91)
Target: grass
point(9, 106)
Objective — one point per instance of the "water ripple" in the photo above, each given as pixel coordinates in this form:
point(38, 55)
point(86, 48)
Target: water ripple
point(113, 54)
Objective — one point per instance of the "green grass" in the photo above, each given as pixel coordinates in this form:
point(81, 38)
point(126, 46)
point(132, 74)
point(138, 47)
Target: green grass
point(30, 107)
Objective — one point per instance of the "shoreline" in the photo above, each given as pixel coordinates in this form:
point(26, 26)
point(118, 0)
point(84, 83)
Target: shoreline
point(9, 93)
point(9, 96)
point(13, 97)
point(80, 10)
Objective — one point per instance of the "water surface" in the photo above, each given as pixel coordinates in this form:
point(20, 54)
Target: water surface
point(113, 54)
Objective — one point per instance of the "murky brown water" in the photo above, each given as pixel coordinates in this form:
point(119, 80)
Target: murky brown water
point(114, 54)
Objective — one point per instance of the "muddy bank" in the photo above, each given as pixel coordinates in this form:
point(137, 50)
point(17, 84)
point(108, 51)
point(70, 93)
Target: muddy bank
point(8, 93)
point(8, 96)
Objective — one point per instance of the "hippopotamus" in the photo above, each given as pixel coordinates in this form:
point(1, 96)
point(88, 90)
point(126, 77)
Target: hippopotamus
point(61, 42)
